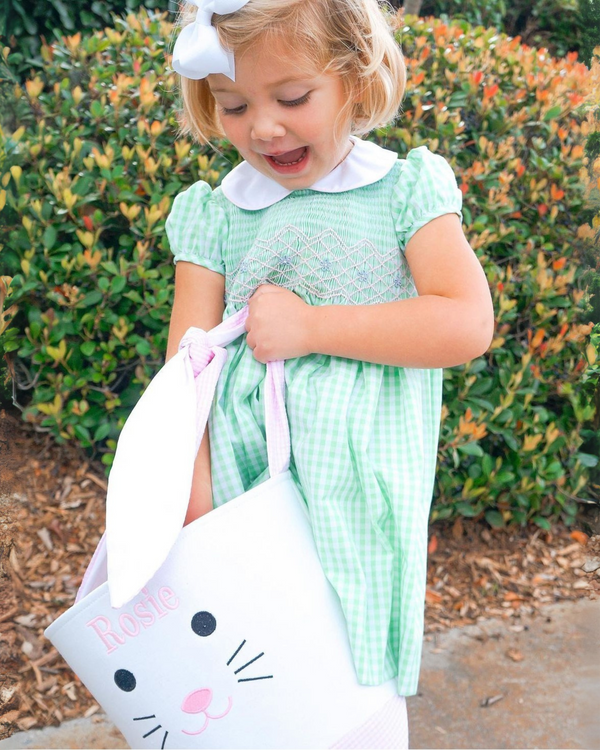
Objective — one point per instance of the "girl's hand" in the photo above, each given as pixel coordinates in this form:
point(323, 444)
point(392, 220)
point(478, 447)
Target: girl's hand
point(279, 324)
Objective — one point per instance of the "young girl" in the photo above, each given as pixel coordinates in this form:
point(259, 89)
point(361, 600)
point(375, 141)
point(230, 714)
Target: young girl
point(356, 272)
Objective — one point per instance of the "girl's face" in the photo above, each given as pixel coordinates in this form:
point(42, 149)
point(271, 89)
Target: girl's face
point(280, 118)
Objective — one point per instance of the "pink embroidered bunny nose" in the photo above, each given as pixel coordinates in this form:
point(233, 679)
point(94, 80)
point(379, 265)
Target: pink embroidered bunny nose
point(197, 701)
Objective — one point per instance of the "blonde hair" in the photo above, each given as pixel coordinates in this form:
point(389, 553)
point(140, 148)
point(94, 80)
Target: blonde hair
point(353, 38)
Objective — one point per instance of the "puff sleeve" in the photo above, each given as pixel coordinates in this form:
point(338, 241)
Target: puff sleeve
point(197, 228)
point(426, 189)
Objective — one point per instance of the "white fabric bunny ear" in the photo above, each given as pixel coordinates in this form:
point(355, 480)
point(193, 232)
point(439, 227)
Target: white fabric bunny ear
point(198, 51)
point(151, 477)
point(150, 480)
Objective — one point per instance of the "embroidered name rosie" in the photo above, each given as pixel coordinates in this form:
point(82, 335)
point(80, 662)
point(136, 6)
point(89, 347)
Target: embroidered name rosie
point(128, 625)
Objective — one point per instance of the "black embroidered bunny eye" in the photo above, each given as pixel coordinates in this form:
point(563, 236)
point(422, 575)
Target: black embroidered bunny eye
point(203, 623)
point(125, 680)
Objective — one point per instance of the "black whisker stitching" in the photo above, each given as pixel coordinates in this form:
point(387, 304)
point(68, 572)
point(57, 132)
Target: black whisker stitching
point(237, 652)
point(141, 718)
point(249, 679)
point(250, 662)
point(152, 730)
point(164, 741)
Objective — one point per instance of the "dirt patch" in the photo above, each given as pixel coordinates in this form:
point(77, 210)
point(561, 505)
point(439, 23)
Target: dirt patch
point(52, 516)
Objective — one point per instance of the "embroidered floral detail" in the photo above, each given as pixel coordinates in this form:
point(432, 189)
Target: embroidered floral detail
point(324, 267)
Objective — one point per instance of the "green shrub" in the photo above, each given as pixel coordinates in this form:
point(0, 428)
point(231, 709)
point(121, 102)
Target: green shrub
point(23, 22)
point(590, 176)
point(89, 176)
point(559, 26)
point(506, 117)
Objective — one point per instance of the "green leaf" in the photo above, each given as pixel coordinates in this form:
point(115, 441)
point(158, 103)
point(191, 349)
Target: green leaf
point(110, 266)
point(495, 519)
point(505, 477)
point(458, 99)
point(88, 348)
point(102, 431)
point(542, 522)
point(92, 298)
point(471, 449)
point(82, 432)
point(96, 109)
point(143, 348)
point(551, 114)
point(63, 12)
point(49, 237)
point(118, 284)
point(478, 365)
point(85, 184)
point(587, 459)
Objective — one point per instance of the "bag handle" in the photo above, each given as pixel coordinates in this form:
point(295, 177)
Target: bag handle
point(151, 477)
point(202, 346)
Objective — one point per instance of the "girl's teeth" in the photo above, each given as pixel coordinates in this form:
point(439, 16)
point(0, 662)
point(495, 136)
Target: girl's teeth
point(289, 163)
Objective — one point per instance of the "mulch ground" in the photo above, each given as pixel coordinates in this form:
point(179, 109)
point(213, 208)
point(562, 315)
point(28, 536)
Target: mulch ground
point(52, 516)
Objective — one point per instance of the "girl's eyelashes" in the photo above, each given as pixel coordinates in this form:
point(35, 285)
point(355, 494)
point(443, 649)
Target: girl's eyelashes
point(294, 103)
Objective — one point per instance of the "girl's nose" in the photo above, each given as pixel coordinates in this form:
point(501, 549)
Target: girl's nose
point(266, 128)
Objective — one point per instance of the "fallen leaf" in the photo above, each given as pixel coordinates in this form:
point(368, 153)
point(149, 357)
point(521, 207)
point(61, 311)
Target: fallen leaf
point(26, 723)
point(569, 549)
point(579, 536)
point(511, 596)
point(29, 621)
point(515, 654)
point(432, 597)
point(9, 717)
point(44, 535)
point(457, 528)
point(582, 583)
point(433, 544)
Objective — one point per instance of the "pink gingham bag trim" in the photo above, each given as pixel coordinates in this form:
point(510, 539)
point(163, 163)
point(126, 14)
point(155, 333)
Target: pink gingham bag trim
point(387, 729)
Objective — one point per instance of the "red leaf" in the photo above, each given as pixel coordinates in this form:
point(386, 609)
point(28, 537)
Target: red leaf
point(579, 536)
point(433, 545)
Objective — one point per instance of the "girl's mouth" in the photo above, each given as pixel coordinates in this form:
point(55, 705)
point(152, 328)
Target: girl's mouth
point(290, 162)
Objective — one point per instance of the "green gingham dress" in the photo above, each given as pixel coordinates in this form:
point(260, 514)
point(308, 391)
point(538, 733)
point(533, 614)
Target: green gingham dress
point(364, 436)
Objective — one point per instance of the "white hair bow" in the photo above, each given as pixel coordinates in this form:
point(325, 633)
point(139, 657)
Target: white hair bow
point(198, 51)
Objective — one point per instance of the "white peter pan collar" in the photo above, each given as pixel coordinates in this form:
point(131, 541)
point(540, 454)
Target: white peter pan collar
point(366, 163)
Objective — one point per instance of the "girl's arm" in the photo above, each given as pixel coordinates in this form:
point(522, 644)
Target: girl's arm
point(198, 302)
point(449, 323)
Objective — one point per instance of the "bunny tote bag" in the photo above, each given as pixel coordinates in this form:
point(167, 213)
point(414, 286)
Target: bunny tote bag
point(224, 633)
